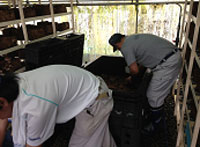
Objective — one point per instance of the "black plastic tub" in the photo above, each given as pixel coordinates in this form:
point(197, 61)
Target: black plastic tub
point(62, 50)
point(126, 117)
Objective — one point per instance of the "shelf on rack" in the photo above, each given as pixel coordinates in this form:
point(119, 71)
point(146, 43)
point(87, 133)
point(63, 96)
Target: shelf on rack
point(46, 16)
point(12, 49)
point(50, 36)
point(2, 24)
point(32, 19)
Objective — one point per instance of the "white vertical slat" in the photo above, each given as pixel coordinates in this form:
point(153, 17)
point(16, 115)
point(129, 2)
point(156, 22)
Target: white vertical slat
point(22, 21)
point(14, 3)
point(52, 17)
point(9, 3)
point(72, 18)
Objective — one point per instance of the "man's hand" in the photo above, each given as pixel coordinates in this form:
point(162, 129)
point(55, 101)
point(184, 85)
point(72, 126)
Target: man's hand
point(134, 68)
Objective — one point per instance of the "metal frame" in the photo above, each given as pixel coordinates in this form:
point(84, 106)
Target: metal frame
point(193, 57)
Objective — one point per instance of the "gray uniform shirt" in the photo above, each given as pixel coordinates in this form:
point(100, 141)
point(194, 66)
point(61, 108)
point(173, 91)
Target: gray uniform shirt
point(146, 49)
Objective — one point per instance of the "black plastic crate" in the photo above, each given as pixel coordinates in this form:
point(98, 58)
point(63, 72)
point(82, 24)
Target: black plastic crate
point(116, 131)
point(73, 47)
point(44, 53)
point(126, 115)
point(130, 138)
point(108, 65)
point(62, 50)
point(125, 120)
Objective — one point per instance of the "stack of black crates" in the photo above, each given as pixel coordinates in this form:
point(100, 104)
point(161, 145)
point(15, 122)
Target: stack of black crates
point(66, 49)
point(126, 117)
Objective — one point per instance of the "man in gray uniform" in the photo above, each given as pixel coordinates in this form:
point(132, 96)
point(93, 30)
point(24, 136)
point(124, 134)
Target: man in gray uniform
point(158, 54)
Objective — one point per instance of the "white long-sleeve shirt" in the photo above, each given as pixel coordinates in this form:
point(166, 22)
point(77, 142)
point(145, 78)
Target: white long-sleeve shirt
point(49, 95)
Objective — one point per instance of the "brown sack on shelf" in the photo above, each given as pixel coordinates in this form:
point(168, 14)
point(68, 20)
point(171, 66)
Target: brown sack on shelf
point(43, 23)
point(35, 32)
point(7, 42)
point(29, 12)
point(42, 10)
point(11, 15)
point(10, 32)
point(15, 32)
point(16, 11)
point(62, 26)
point(60, 8)
point(7, 14)
point(47, 26)
point(4, 7)
point(49, 29)
point(20, 35)
point(4, 14)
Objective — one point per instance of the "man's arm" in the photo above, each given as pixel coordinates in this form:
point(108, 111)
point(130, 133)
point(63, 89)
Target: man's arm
point(134, 68)
point(3, 128)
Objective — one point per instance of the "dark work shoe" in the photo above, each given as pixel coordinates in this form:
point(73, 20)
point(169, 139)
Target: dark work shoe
point(155, 122)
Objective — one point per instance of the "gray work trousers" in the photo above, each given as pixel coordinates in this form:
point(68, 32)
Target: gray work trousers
point(91, 127)
point(164, 76)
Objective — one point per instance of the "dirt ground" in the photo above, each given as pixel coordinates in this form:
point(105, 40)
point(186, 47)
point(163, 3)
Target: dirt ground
point(166, 137)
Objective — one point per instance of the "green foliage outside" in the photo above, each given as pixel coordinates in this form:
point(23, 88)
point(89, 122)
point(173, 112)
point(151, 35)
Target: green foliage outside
point(98, 23)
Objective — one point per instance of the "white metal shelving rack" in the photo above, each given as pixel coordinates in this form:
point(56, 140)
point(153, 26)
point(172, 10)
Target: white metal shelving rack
point(182, 111)
point(23, 22)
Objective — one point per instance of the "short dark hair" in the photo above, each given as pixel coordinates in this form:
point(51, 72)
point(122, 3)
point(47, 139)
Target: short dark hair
point(9, 87)
point(114, 39)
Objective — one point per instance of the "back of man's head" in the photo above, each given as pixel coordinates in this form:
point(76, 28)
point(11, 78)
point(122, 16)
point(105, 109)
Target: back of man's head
point(9, 88)
point(114, 39)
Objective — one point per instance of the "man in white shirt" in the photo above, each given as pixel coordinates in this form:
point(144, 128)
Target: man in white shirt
point(38, 99)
